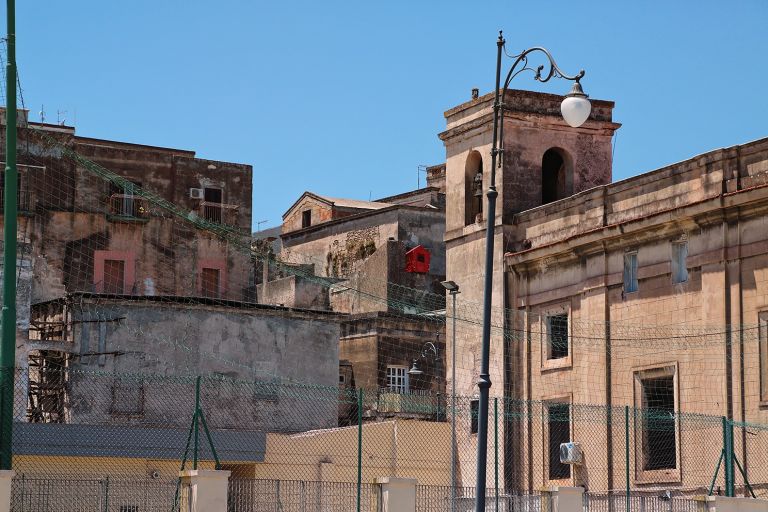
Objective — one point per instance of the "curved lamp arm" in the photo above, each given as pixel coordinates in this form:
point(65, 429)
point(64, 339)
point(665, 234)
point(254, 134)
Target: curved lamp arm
point(522, 59)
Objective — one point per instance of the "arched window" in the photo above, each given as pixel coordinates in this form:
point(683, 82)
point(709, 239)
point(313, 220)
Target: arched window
point(473, 189)
point(556, 179)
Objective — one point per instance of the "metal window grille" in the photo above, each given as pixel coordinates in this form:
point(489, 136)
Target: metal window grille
point(557, 334)
point(397, 379)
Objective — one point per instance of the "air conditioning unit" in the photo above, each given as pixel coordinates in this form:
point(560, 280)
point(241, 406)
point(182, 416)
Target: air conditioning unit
point(570, 453)
point(196, 193)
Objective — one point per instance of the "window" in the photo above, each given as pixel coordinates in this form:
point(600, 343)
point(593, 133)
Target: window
point(342, 380)
point(630, 272)
point(762, 319)
point(114, 272)
point(397, 379)
point(474, 412)
point(679, 257)
point(114, 276)
point(306, 218)
point(127, 397)
point(557, 336)
point(558, 432)
point(656, 441)
point(123, 202)
point(212, 199)
point(22, 191)
point(473, 189)
point(210, 282)
point(554, 178)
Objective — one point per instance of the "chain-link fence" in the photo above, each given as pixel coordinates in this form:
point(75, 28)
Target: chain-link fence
point(104, 441)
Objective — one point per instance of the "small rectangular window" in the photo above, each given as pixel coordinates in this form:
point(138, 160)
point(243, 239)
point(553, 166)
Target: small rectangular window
point(679, 260)
point(557, 336)
point(127, 397)
point(630, 272)
point(342, 380)
point(114, 276)
point(558, 432)
point(211, 281)
point(306, 218)
point(397, 379)
point(474, 410)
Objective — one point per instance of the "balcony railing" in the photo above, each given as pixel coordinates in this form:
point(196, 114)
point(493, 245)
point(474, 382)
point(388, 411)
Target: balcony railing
point(219, 213)
point(128, 207)
point(23, 198)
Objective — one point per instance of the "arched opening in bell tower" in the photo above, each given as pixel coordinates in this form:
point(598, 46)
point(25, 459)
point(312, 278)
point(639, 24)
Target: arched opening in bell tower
point(473, 189)
point(556, 179)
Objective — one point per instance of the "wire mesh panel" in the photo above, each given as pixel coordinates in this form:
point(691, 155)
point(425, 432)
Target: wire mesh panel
point(639, 502)
point(249, 495)
point(436, 498)
point(107, 495)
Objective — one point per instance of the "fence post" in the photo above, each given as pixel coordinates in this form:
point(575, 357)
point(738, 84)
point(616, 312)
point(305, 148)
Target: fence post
point(626, 452)
point(106, 494)
point(6, 490)
point(728, 459)
point(195, 420)
point(359, 446)
point(496, 449)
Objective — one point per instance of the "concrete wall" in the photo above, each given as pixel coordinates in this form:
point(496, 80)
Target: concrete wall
point(259, 346)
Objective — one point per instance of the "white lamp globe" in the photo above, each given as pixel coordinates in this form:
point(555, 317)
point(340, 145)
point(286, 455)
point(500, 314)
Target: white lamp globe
point(576, 107)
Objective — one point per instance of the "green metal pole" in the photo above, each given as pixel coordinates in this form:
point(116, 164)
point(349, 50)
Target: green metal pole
point(727, 449)
point(8, 320)
point(196, 421)
point(359, 446)
point(626, 451)
point(732, 451)
point(496, 449)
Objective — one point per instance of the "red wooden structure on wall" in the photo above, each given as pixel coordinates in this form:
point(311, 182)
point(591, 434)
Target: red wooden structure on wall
point(417, 260)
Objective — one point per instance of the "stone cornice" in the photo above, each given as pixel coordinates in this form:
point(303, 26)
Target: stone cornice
point(743, 204)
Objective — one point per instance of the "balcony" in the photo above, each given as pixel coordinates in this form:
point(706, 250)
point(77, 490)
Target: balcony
point(128, 208)
point(23, 198)
point(218, 213)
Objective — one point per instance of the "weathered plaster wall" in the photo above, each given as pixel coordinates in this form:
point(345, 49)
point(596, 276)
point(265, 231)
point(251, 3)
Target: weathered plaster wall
point(164, 340)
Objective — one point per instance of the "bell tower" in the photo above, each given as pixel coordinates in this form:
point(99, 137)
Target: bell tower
point(544, 160)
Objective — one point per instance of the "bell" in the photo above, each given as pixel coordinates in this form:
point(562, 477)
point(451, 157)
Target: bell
point(478, 184)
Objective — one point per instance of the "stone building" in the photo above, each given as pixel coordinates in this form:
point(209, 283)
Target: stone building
point(598, 282)
point(134, 259)
point(377, 261)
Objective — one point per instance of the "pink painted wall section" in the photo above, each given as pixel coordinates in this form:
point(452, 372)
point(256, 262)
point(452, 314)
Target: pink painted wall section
point(218, 263)
point(127, 257)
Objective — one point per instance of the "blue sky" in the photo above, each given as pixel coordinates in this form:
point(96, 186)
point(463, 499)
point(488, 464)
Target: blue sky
point(346, 98)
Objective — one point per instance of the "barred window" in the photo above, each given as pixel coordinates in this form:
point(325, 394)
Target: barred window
point(397, 379)
point(557, 336)
point(558, 432)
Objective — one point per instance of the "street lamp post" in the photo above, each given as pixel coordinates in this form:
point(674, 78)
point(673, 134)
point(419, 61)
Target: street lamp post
point(453, 289)
point(575, 109)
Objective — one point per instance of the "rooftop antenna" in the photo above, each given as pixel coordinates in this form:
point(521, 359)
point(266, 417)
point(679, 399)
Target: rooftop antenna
point(421, 168)
point(61, 117)
point(42, 114)
point(259, 223)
